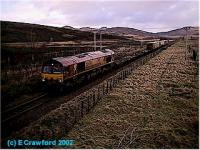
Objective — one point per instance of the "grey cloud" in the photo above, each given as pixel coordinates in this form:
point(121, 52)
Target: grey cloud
point(138, 14)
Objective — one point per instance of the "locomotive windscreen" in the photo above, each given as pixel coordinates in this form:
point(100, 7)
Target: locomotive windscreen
point(52, 67)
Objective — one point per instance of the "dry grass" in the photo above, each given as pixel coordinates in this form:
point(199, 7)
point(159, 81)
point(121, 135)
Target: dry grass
point(157, 107)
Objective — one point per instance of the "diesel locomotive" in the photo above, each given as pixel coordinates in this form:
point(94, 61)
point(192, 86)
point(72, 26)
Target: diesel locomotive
point(63, 69)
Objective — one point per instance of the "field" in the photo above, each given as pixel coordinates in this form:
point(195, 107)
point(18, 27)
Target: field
point(155, 107)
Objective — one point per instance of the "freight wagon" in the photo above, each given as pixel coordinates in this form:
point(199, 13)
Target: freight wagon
point(156, 44)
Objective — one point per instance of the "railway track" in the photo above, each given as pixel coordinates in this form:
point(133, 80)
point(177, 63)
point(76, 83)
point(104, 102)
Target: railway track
point(15, 111)
point(12, 113)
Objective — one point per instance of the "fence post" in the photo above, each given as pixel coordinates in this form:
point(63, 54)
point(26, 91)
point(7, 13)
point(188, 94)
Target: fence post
point(75, 114)
point(107, 86)
point(140, 62)
point(132, 67)
point(91, 100)
point(88, 103)
point(124, 74)
point(82, 107)
point(115, 81)
point(98, 94)
point(111, 84)
point(136, 64)
point(93, 97)
point(103, 88)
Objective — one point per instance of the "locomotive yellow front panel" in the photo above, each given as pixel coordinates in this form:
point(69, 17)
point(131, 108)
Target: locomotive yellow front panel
point(58, 77)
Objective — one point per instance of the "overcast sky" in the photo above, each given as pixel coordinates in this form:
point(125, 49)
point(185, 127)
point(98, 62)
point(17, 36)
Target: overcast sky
point(148, 15)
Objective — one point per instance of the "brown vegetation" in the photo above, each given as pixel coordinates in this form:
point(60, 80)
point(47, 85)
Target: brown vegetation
point(156, 107)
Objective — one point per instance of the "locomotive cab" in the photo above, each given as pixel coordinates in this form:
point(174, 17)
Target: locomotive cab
point(53, 70)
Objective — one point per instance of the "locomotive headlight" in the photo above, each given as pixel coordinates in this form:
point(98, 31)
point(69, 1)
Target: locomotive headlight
point(43, 80)
point(60, 80)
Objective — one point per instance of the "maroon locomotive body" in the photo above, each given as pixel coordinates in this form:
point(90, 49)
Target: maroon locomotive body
point(63, 68)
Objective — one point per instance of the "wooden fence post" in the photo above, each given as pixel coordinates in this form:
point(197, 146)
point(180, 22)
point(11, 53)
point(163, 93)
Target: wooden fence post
point(106, 86)
point(111, 84)
point(103, 88)
point(90, 100)
point(75, 112)
point(93, 97)
point(88, 103)
point(118, 78)
point(98, 95)
point(82, 107)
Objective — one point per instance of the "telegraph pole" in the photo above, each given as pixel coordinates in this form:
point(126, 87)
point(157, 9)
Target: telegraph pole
point(186, 43)
point(141, 43)
point(95, 40)
point(32, 44)
point(100, 41)
point(186, 40)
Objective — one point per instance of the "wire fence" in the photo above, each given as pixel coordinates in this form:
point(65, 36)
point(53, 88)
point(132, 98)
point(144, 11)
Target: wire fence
point(83, 104)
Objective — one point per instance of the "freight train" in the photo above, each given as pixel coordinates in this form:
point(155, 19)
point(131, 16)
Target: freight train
point(67, 70)
point(64, 69)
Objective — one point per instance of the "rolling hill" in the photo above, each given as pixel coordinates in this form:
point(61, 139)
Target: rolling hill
point(193, 31)
point(26, 32)
point(124, 31)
